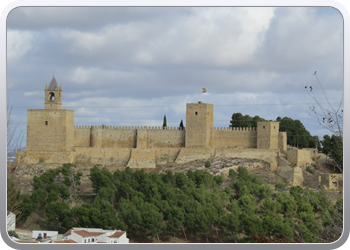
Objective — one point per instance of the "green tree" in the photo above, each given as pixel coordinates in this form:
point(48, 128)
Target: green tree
point(101, 178)
point(164, 122)
point(238, 120)
point(152, 219)
point(58, 216)
point(332, 147)
point(181, 126)
point(297, 135)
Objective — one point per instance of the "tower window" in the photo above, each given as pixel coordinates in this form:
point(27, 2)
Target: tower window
point(52, 96)
point(196, 113)
point(46, 123)
point(263, 127)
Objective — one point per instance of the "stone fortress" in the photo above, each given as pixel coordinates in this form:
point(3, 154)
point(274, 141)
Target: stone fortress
point(52, 138)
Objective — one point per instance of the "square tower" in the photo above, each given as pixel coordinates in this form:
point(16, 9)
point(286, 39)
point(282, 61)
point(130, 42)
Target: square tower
point(199, 123)
point(52, 128)
point(267, 135)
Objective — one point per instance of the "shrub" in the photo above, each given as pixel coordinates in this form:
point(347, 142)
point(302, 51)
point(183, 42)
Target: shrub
point(309, 170)
point(207, 164)
point(280, 187)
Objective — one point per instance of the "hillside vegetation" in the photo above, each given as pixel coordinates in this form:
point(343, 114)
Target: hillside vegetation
point(194, 206)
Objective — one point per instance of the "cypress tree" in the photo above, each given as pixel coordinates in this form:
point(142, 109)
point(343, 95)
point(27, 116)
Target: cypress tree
point(164, 122)
point(181, 126)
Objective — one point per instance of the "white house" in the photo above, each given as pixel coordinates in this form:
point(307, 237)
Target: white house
point(118, 237)
point(11, 221)
point(95, 235)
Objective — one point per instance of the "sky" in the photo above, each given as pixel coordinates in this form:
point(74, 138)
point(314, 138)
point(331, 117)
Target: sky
point(130, 66)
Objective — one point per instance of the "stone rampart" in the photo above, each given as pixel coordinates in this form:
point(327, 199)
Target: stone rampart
point(299, 157)
point(193, 153)
point(35, 157)
point(142, 158)
point(166, 155)
point(102, 156)
point(128, 137)
point(234, 137)
point(82, 136)
point(173, 138)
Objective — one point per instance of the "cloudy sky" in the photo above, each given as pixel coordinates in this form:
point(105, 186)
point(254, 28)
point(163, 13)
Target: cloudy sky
point(131, 66)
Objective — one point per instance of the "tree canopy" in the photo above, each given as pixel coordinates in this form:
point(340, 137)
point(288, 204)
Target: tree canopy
point(194, 204)
point(297, 135)
point(239, 120)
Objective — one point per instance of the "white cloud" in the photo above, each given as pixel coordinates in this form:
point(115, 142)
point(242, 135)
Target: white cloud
point(18, 44)
point(36, 93)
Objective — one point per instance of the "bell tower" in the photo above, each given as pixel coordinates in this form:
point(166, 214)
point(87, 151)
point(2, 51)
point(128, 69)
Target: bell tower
point(53, 95)
point(50, 129)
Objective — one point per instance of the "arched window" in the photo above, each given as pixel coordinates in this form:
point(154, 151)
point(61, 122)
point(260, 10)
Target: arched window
point(52, 96)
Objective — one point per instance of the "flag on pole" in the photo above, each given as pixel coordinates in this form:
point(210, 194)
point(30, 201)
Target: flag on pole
point(204, 90)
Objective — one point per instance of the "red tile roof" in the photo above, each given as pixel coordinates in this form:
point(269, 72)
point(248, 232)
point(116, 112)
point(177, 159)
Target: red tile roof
point(69, 232)
point(84, 233)
point(117, 234)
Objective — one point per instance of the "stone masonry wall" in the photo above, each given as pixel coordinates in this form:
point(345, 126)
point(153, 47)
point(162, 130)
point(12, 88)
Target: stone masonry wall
point(82, 136)
point(299, 157)
point(50, 130)
point(171, 137)
point(234, 137)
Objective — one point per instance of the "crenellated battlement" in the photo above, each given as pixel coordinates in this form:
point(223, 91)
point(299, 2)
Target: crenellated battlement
point(234, 129)
point(126, 127)
point(52, 131)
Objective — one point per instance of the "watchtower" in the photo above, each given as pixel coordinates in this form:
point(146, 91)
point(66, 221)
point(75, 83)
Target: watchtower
point(52, 128)
point(267, 135)
point(199, 123)
point(53, 95)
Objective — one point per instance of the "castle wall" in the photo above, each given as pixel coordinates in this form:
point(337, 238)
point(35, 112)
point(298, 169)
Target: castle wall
point(304, 157)
point(282, 142)
point(234, 137)
point(166, 155)
point(113, 137)
point(171, 137)
point(194, 153)
point(142, 158)
point(102, 156)
point(82, 136)
point(50, 130)
point(128, 137)
point(44, 157)
point(299, 157)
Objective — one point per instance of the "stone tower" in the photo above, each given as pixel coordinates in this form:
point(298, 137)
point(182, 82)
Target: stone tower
point(53, 95)
point(52, 128)
point(199, 123)
point(267, 135)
